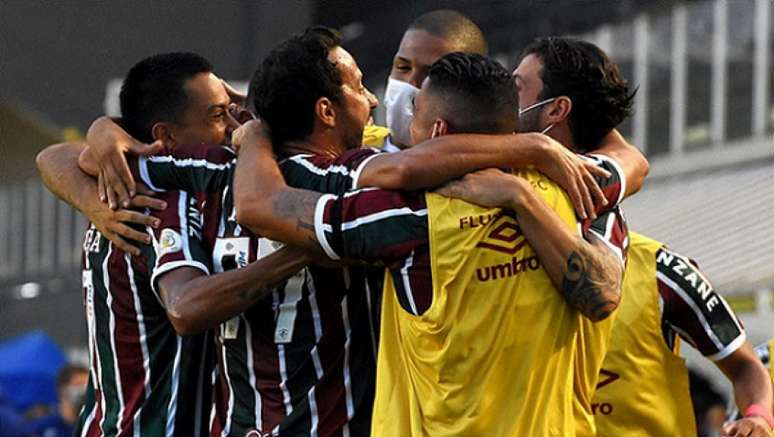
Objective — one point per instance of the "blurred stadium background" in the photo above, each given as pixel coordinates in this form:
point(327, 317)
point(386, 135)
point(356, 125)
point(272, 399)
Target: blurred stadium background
point(704, 116)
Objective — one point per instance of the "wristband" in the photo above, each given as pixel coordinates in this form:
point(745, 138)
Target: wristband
point(758, 411)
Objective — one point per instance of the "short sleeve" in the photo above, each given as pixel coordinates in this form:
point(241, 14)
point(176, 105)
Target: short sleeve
point(177, 242)
point(324, 174)
point(613, 187)
point(693, 309)
point(371, 224)
point(194, 168)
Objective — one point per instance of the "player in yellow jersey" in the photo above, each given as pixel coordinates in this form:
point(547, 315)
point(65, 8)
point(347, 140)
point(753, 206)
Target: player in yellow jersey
point(568, 86)
point(643, 389)
point(475, 288)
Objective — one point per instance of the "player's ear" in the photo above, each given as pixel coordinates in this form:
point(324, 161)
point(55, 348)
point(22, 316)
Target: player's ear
point(325, 112)
point(163, 131)
point(559, 110)
point(440, 128)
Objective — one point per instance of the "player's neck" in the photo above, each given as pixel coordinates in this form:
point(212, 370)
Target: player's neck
point(562, 134)
point(316, 144)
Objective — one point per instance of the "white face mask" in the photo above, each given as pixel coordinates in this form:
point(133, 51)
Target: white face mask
point(399, 109)
point(523, 111)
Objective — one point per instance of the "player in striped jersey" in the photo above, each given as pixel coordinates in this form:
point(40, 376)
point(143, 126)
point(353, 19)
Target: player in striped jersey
point(391, 239)
point(643, 384)
point(144, 378)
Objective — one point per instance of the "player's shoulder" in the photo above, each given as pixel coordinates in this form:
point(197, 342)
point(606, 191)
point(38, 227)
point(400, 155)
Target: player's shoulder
point(199, 154)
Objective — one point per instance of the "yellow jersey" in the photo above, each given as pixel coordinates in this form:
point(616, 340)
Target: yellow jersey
point(643, 386)
point(494, 353)
point(375, 136)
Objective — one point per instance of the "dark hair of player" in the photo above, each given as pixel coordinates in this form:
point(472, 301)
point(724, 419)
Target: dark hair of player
point(600, 96)
point(454, 27)
point(153, 91)
point(290, 80)
point(479, 94)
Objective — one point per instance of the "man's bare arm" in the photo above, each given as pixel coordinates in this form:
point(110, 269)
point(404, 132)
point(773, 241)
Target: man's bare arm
point(195, 301)
point(752, 385)
point(441, 159)
point(58, 167)
point(265, 204)
point(587, 273)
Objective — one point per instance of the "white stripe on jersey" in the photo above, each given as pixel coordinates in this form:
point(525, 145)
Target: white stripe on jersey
point(699, 314)
point(301, 160)
point(321, 228)
point(143, 341)
point(189, 162)
point(407, 283)
point(172, 407)
point(313, 411)
point(182, 212)
point(251, 371)
point(315, 355)
point(283, 366)
point(109, 303)
point(224, 361)
point(347, 375)
point(359, 170)
point(346, 226)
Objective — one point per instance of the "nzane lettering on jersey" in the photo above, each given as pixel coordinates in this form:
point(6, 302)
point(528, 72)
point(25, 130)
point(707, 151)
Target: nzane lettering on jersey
point(688, 276)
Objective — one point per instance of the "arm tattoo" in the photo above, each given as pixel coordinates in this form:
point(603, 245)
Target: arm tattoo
point(298, 206)
point(592, 281)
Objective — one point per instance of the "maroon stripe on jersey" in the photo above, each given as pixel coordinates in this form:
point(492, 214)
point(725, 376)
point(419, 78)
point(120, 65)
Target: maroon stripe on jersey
point(267, 370)
point(683, 319)
point(127, 339)
point(330, 394)
point(94, 429)
point(222, 393)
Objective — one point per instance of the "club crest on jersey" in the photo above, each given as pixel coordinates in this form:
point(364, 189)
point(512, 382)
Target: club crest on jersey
point(170, 241)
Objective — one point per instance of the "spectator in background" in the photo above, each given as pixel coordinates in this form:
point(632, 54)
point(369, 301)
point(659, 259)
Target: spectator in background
point(709, 405)
point(11, 422)
point(71, 391)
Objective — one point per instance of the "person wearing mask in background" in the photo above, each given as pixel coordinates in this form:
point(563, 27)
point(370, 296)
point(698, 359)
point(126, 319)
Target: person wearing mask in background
point(427, 39)
point(71, 392)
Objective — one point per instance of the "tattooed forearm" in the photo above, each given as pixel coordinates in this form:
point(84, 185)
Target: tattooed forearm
point(592, 281)
point(298, 206)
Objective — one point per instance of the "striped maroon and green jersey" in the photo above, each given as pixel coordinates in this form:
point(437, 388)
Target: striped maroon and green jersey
point(144, 379)
point(302, 360)
point(693, 310)
point(390, 227)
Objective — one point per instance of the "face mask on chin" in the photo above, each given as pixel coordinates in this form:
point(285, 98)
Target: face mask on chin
point(399, 109)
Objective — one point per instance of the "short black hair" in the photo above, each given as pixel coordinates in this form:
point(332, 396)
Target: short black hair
point(153, 90)
point(478, 93)
point(455, 27)
point(66, 373)
point(601, 98)
point(290, 80)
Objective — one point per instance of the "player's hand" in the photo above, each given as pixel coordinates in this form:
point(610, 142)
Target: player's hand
point(254, 132)
point(109, 144)
point(114, 224)
point(752, 426)
point(236, 97)
point(575, 175)
point(491, 188)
